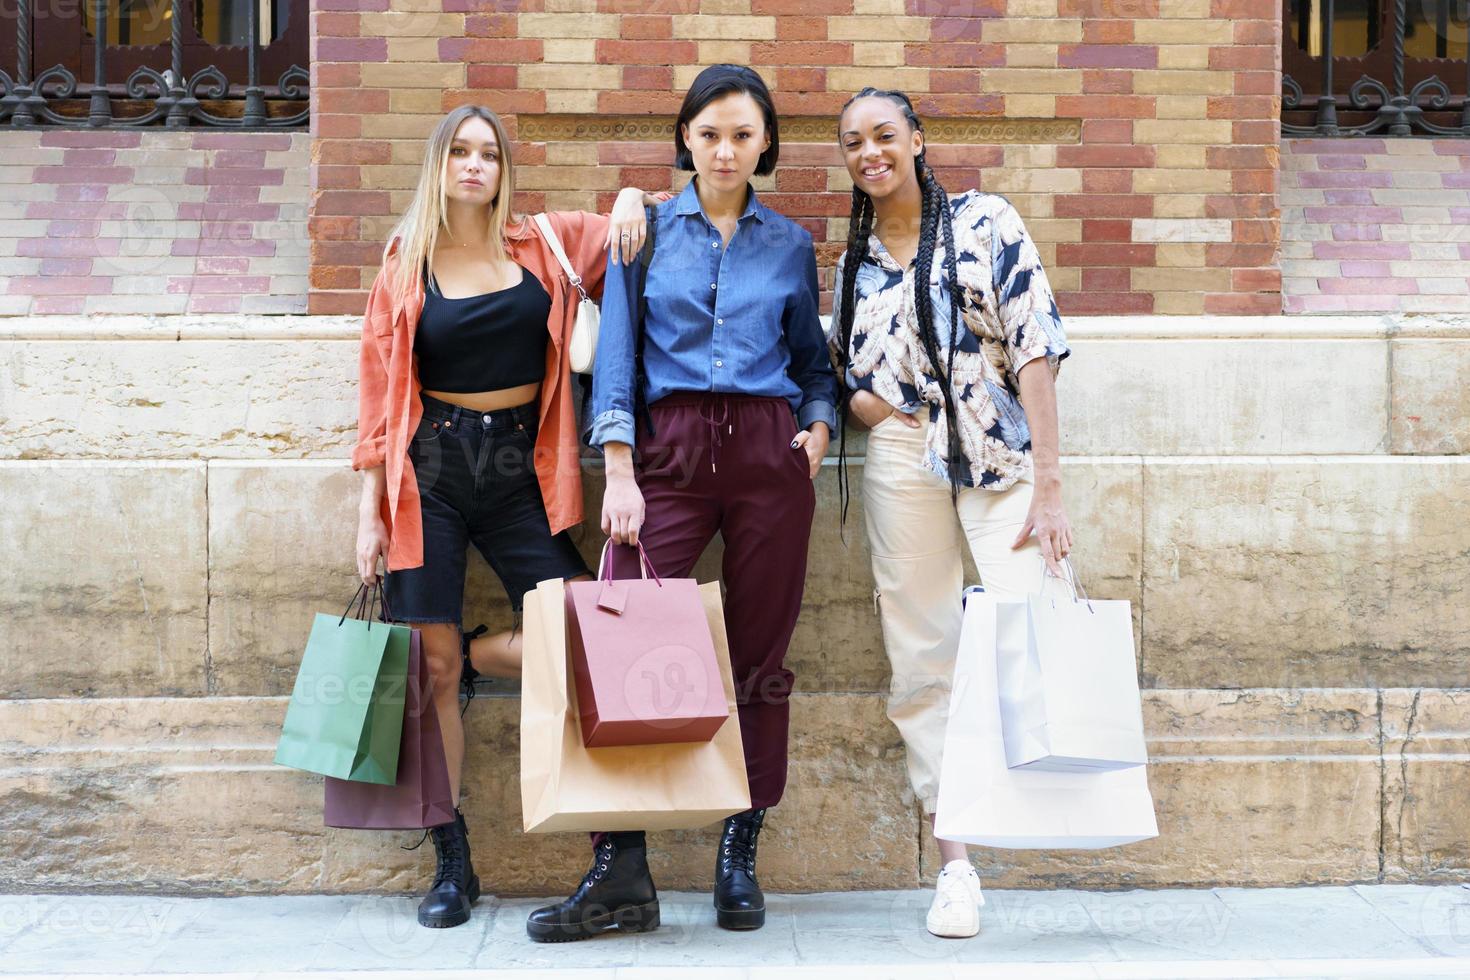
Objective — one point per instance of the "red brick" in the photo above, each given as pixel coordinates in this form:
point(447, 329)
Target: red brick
point(955, 8)
point(1104, 303)
point(1107, 56)
point(955, 55)
point(60, 286)
point(357, 49)
point(78, 157)
point(1107, 230)
point(491, 25)
point(1258, 32)
point(1107, 181)
point(336, 304)
point(367, 101)
point(353, 151)
point(648, 77)
point(1256, 280)
point(492, 76)
point(812, 104)
point(1105, 155)
point(500, 100)
point(113, 139)
point(949, 155)
point(778, 7)
point(213, 303)
point(334, 276)
point(1240, 205)
point(958, 80)
point(356, 203)
point(340, 75)
point(1257, 83)
point(64, 304)
point(66, 267)
point(1245, 9)
point(1253, 181)
point(335, 24)
point(1106, 106)
point(1255, 131)
point(1249, 232)
point(493, 6)
point(809, 205)
point(643, 103)
point(645, 154)
point(801, 29)
point(800, 53)
point(646, 28)
point(665, 7)
point(800, 179)
point(1111, 279)
point(959, 28)
point(1241, 157)
point(1107, 81)
point(1107, 32)
point(529, 154)
point(234, 178)
point(647, 52)
point(1233, 57)
point(336, 177)
point(1243, 107)
point(345, 127)
point(801, 79)
point(1109, 9)
point(1107, 131)
point(82, 175)
point(1103, 206)
point(644, 178)
point(1243, 304)
point(225, 267)
point(1231, 254)
point(812, 154)
point(979, 104)
point(493, 51)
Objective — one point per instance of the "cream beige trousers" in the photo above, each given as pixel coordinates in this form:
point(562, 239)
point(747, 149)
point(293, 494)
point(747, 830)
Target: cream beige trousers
point(915, 531)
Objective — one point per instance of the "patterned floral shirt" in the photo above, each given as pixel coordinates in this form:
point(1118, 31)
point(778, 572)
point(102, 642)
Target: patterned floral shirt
point(1008, 318)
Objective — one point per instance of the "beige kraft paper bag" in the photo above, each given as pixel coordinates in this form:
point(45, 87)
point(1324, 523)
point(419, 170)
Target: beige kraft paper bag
point(567, 786)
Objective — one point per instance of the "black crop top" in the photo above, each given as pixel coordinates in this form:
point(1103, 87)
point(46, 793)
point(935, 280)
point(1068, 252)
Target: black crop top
point(486, 342)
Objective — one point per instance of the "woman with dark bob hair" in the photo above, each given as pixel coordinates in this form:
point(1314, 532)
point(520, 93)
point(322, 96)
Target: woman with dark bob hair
point(740, 397)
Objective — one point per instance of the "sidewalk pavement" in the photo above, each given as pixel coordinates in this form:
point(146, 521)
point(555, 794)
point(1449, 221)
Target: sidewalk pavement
point(1374, 930)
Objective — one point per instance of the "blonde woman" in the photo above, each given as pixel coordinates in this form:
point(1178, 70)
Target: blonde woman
point(466, 430)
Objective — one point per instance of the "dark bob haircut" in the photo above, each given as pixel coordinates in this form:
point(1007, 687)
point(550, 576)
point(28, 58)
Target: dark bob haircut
point(714, 83)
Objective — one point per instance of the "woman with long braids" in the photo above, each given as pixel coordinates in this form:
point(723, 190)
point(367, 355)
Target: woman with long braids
point(466, 431)
point(950, 342)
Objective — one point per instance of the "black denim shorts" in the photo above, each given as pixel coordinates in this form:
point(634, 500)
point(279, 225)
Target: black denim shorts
point(477, 486)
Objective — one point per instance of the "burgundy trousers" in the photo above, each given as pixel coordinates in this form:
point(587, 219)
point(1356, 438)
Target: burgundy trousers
point(724, 463)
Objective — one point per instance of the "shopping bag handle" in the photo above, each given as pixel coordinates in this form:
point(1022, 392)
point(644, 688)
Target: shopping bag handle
point(365, 604)
point(604, 567)
point(1073, 583)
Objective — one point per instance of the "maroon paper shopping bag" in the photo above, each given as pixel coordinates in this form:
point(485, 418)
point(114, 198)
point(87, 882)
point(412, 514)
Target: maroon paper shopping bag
point(420, 798)
point(643, 660)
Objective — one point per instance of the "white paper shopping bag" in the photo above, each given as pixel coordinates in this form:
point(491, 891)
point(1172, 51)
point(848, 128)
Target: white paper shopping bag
point(1068, 684)
point(983, 801)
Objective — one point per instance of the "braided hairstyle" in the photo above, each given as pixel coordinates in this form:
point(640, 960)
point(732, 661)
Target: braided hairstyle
point(936, 216)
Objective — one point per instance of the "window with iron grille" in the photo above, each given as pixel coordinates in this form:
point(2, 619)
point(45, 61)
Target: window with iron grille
point(174, 63)
point(1355, 67)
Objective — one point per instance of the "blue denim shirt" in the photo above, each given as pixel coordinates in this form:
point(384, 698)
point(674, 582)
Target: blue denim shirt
point(740, 318)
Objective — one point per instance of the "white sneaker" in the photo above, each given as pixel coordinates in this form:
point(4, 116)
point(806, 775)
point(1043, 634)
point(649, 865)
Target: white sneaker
point(955, 913)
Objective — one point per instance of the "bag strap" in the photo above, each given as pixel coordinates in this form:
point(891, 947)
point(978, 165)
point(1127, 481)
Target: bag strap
point(544, 223)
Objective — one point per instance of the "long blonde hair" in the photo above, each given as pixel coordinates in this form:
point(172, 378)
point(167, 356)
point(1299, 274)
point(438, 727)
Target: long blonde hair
point(418, 230)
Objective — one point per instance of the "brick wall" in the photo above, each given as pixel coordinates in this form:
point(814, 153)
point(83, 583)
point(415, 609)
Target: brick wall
point(153, 222)
point(1376, 225)
point(1140, 144)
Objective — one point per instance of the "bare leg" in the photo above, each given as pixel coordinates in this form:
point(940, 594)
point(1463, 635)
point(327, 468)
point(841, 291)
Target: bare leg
point(949, 850)
point(499, 654)
point(441, 652)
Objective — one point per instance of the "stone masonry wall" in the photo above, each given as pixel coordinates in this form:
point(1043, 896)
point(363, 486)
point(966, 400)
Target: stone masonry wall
point(153, 222)
point(1138, 138)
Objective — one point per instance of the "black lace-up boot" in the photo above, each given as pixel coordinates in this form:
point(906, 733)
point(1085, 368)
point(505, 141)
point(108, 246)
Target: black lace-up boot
point(739, 901)
point(468, 675)
point(456, 886)
point(617, 893)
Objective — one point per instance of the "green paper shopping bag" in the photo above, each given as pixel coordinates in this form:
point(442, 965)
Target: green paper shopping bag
point(345, 718)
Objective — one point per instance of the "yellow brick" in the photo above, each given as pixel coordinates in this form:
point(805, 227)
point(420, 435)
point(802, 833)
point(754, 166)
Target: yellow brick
point(1178, 205)
point(1180, 157)
point(837, 229)
point(852, 79)
point(1183, 83)
point(1187, 255)
point(1063, 278)
point(1031, 106)
point(402, 151)
point(565, 50)
point(1024, 155)
point(571, 201)
point(1008, 181)
point(1154, 181)
point(1180, 280)
point(376, 178)
point(1028, 8)
point(1184, 9)
point(839, 180)
point(1031, 55)
point(414, 100)
point(568, 25)
point(1181, 107)
point(1047, 252)
point(1186, 57)
point(539, 178)
point(721, 52)
point(571, 6)
point(570, 76)
point(394, 23)
point(892, 28)
point(1148, 30)
point(764, 185)
point(1055, 81)
point(400, 126)
point(1181, 131)
point(1055, 229)
point(870, 7)
point(398, 201)
point(566, 100)
point(571, 154)
point(724, 6)
point(1179, 304)
point(1029, 30)
point(376, 227)
point(415, 74)
point(716, 27)
point(1029, 206)
point(878, 53)
point(425, 49)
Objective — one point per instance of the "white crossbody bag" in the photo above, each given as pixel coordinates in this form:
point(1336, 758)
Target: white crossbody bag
point(582, 351)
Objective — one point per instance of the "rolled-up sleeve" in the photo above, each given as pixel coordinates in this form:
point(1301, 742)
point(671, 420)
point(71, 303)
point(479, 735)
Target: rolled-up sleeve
point(584, 237)
point(613, 372)
point(1030, 321)
point(372, 382)
point(811, 366)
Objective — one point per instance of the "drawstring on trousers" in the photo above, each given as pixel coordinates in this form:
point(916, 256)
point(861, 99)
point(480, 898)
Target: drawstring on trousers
point(715, 424)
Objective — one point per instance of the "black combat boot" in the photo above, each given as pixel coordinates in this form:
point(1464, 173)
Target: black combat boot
point(468, 675)
point(617, 893)
point(456, 886)
point(739, 901)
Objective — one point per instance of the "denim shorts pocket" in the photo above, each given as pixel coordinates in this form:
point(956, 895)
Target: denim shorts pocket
point(427, 432)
